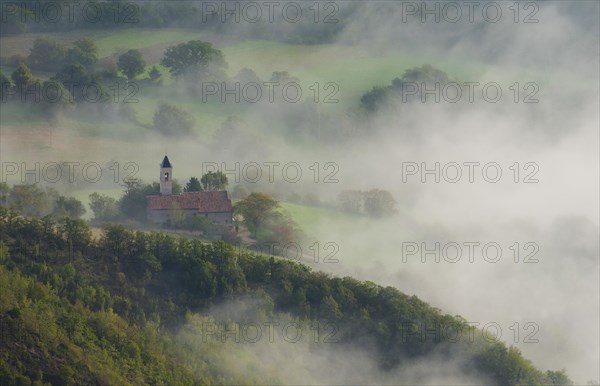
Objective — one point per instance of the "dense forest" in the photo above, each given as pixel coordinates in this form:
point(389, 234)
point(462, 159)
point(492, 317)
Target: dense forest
point(23, 16)
point(108, 309)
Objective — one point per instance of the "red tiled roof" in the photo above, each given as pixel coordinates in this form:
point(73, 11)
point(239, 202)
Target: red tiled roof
point(205, 202)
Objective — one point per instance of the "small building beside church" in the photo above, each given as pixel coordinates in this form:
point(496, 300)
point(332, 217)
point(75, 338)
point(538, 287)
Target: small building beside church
point(214, 205)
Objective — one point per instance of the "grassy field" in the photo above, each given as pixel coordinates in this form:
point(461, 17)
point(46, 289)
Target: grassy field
point(310, 218)
point(353, 69)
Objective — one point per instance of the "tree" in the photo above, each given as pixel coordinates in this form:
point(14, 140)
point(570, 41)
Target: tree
point(351, 200)
point(133, 203)
point(83, 52)
point(193, 185)
point(329, 309)
point(154, 74)
point(375, 98)
point(75, 232)
point(69, 206)
point(116, 239)
point(247, 75)
point(559, 377)
point(30, 200)
point(4, 192)
point(194, 59)
point(131, 63)
point(283, 230)
point(168, 119)
point(75, 74)
point(5, 86)
point(214, 181)
point(46, 54)
point(77, 77)
point(418, 79)
point(105, 208)
point(255, 209)
point(379, 203)
point(22, 76)
point(282, 77)
point(424, 74)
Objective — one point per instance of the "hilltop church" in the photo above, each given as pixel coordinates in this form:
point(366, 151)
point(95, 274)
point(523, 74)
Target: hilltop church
point(214, 205)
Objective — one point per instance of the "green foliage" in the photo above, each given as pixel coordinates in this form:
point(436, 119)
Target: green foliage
point(154, 74)
point(22, 17)
point(78, 76)
point(22, 76)
point(47, 54)
point(214, 181)
point(255, 210)
point(409, 87)
point(194, 60)
point(29, 199)
point(375, 99)
point(425, 74)
point(379, 203)
point(193, 185)
point(282, 77)
point(375, 202)
point(77, 311)
point(558, 377)
point(105, 208)
point(131, 63)
point(5, 86)
point(48, 340)
point(74, 232)
point(84, 52)
point(132, 204)
point(69, 206)
point(32, 200)
point(170, 120)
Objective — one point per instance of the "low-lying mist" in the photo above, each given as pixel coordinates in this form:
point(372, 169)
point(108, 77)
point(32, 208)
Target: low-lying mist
point(543, 292)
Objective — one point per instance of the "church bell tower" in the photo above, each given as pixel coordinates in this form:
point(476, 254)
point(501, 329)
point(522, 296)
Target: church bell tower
point(166, 177)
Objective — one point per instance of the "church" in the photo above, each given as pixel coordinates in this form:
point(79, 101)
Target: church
point(214, 205)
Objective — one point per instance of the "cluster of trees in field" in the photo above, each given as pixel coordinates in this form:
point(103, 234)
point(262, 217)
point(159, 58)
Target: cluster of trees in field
point(78, 310)
point(32, 200)
point(411, 86)
point(81, 82)
point(78, 80)
point(375, 202)
point(83, 85)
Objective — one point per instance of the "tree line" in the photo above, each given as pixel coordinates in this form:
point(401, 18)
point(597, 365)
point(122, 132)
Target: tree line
point(29, 16)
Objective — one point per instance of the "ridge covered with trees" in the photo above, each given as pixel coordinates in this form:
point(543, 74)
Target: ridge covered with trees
point(77, 309)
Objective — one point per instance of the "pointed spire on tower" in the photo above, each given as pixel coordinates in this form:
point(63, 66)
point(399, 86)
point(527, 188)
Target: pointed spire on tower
point(165, 163)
